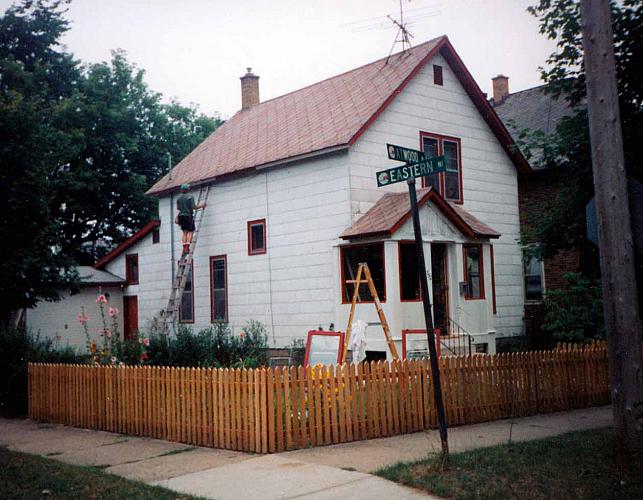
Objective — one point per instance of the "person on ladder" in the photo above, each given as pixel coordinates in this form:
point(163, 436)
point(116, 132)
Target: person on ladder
point(185, 219)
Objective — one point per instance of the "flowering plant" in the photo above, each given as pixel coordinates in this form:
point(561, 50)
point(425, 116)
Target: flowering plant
point(110, 349)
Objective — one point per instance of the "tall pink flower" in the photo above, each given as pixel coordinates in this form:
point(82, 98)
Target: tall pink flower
point(108, 333)
point(101, 299)
point(83, 318)
point(112, 312)
point(146, 341)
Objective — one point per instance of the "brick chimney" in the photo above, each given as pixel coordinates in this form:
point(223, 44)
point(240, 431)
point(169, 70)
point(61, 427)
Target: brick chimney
point(500, 88)
point(249, 90)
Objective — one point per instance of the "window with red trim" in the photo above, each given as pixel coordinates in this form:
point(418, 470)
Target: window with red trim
point(186, 308)
point(409, 272)
point(373, 255)
point(131, 269)
point(473, 271)
point(257, 237)
point(218, 289)
point(437, 74)
point(448, 183)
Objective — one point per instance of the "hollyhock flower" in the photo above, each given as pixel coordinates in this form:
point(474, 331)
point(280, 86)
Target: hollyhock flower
point(101, 299)
point(82, 318)
point(146, 341)
point(108, 333)
point(112, 312)
point(143, 356)
point(114, 360)
point(121, 364)
point(242, 335)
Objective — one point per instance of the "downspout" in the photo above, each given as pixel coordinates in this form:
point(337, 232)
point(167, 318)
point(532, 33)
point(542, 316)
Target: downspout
point(169, 167)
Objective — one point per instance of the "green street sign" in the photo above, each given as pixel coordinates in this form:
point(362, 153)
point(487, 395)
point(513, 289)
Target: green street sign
point(407, 155)
point(411, 170)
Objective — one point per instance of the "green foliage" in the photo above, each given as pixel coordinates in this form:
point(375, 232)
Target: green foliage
point(575, 314)
point(16, 350)
point(567, 153)
point(211, 347)
point(79, 146)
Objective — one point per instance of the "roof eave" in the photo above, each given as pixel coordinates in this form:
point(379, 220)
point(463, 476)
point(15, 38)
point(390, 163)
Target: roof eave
point(256, 168)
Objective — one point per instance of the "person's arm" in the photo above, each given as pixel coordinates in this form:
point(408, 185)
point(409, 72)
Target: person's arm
point(200, 206)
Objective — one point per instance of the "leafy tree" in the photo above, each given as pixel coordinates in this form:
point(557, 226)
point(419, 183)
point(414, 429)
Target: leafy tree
point(79, 146)
point(35, 86)
point(567, 152)
point(575, 314)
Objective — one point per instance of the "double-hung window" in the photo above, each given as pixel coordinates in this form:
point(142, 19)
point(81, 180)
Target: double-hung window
point(534, 282)
point(131, 269)
point(448, 183)
point(218, 289)
point(186, 310)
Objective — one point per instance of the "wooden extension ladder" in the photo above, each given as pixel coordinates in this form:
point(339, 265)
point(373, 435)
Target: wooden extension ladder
point(365, 272)
point(184, 267)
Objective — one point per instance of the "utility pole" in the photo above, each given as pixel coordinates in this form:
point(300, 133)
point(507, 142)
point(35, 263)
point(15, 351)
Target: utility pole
point(622, 321)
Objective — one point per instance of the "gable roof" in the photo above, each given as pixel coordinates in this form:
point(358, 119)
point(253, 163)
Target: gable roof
point(533, 109)
point(394, 209)
point(322, 118)
point(136, 237)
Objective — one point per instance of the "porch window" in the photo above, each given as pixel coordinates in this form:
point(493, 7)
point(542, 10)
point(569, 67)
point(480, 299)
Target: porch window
point(473, 273)
point(448, 183)
point(218, 288)
point(351, 256)
point(186, 309)
point(257, 237)
point(409, 272)
point(534, 287)
point(131, 269)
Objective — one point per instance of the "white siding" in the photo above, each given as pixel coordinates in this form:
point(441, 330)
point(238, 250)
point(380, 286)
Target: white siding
point(489, 178)
point(290, 287)
point(58, 320)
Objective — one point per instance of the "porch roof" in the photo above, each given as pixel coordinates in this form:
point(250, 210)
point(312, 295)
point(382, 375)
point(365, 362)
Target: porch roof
point(393, 209)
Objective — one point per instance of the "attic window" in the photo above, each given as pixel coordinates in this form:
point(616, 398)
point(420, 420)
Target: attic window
point(437, 74)
point(156, 236)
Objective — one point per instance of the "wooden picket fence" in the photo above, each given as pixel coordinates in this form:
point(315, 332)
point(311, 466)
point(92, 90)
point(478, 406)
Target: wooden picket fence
point(274, 409)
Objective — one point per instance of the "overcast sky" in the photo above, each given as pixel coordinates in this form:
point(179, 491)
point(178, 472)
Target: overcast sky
point(196, 50)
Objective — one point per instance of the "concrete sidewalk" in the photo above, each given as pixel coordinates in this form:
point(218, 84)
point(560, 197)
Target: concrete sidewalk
point(318, 473)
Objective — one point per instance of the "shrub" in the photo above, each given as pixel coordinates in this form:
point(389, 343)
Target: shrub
point(16, 350)
point(575, 313)
point(211, 347)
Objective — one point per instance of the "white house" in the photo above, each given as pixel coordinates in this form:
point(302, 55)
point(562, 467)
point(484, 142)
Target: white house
point(59, 320)
point(294, 207)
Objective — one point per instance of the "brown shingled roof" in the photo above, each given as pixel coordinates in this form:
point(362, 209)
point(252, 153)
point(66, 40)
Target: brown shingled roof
point(318, 119)
point(393, 209)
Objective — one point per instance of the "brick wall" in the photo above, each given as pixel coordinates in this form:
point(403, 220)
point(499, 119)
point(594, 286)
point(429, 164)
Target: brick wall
point(535, 194)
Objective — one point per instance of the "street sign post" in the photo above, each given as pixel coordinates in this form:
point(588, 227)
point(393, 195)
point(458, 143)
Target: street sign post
point(417, 165)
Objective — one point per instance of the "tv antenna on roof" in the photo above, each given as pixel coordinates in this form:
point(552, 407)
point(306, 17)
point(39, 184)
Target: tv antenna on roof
point(403, 35)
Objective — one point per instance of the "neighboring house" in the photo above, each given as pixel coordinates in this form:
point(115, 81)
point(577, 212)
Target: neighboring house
point(535, 110)
point(294, 207)
point(59, 320)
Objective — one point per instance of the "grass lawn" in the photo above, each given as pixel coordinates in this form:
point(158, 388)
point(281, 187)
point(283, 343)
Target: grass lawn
point(24, 476)
point(574, 465)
